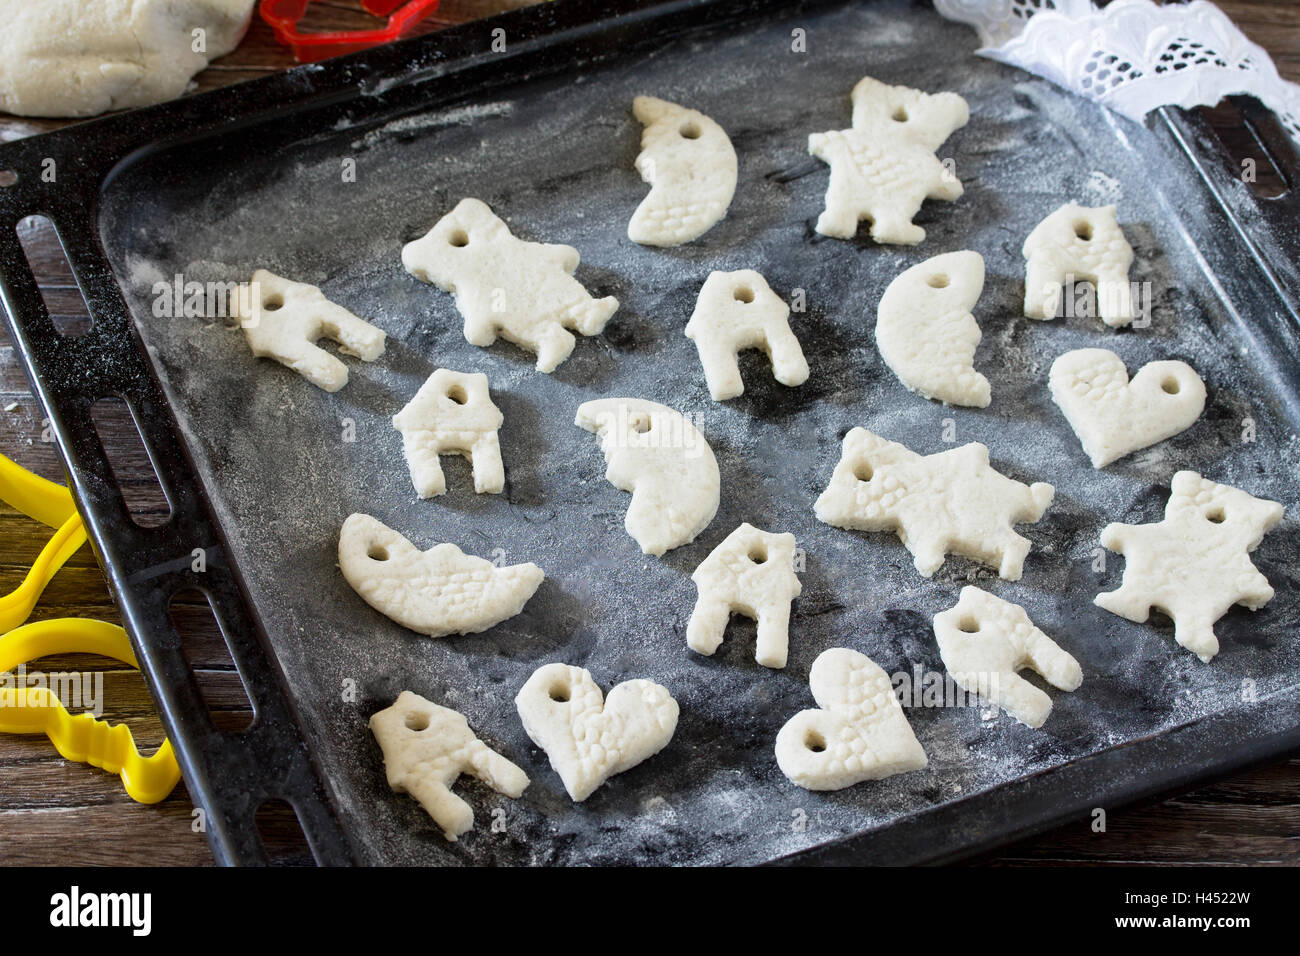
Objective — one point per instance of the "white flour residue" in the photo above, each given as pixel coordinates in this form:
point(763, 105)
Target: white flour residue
point(462, 116)
point(1105, 188)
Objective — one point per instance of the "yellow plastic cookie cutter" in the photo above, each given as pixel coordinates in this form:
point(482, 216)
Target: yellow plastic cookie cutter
point(81, 737)
point(31, 710)
point(52, 505)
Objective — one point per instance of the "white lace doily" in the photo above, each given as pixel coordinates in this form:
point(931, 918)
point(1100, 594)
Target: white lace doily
point(1133, 56)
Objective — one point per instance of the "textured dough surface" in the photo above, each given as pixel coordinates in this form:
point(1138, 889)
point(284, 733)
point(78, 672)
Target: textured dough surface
point(1079, 244)
point(691, 167)
point(283, 320)
point(522, 291)
point(436, 592)
point(985, 641)
point(739, 310)
point(84, 57)
point(859, 733)
point(926, 333)
point(452, 413)
point(427, 747)
point(953, 502)
point(1114, 416)
point(655, 453)
point(587, 736)
point(751, 573)
point(1195, 563)
point(884, 167)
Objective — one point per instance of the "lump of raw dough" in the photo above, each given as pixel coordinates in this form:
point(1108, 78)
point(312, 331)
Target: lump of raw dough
point(83, 57)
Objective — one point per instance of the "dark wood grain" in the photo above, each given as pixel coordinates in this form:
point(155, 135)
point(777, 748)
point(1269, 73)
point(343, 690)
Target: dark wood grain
point(56, 812)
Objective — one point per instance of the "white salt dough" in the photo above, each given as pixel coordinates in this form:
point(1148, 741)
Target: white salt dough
point(427, 747)
point(860, 732)
point(590, 738)
point(1195, 564)
point(83, 57)
point(282, 319)
point(884, 167)
point(436, 592)
point(1081, 244)
point(1114, 416)
point(522, 291)
point(659, 456)
point(926, 333)
point(751, 573)
point(739, 310)
point(691, 167)
point(984, 641)
point(952, 502)
point(452, 412)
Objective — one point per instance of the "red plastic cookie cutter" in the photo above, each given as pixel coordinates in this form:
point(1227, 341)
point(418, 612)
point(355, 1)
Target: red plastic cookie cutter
point(283, 17)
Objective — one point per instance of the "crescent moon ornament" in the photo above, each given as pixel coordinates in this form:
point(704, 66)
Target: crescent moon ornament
point(436, 592)
point(926, 333)
point(691, 167)
point(655, 453)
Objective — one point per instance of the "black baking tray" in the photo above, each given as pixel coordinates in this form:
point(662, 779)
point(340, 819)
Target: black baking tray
point(257, 472)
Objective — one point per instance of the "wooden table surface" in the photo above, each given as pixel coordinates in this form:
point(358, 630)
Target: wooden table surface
point(56, 812)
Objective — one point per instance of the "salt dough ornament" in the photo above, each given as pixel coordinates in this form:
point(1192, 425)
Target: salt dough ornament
point(655, 453)
point(1080, 244)
point(283, 319)
point(588, 737)
point(691, 167)
point(1195, 564)
point(952, 502)
point(452, 413)
point(751, 573)
point(427, 747)
point(984, 641)
point(860, 733)
point(522, 291)
point(436, 592)
point(884, 167)
point(1114, 416)
point(739, 310)
point(926, 333)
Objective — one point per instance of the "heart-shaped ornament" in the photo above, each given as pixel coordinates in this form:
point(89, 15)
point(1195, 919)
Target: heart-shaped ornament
point(859, 734)
point(1114, 416)
point(587, 736)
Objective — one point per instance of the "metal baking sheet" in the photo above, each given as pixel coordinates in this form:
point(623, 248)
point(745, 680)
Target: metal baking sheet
point(552, 153)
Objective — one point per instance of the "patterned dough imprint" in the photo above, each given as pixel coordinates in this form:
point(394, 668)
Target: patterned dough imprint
point(984, 641)
point(659, 456)
point(436, 592)
point(691, 167)
point(452, 412)
point(590, 738)
point(427, 747)
point(1114, 416)
point(751, 573)
point(1195, 564)
point(283, 319)
point(884, 167)
point(522, 291)
point(926, 333)
point(739, 310)
point(952, 502)
point(860, 732)
point(1079, 244)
